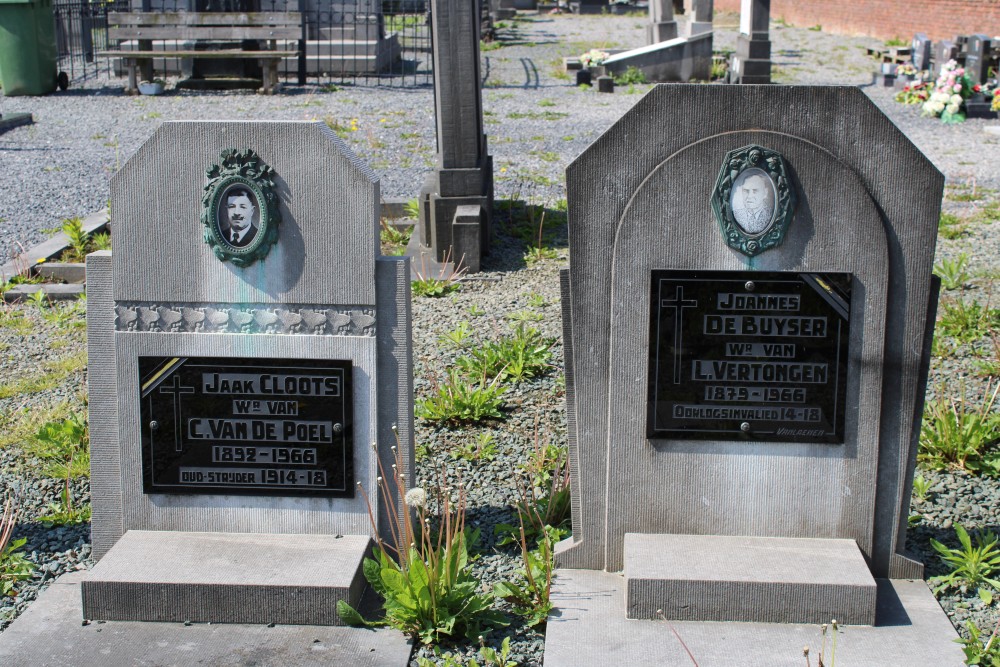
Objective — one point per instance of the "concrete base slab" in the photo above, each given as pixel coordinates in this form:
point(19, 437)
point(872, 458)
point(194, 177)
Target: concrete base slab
point(226, 578)
point(52, 292)
point(736, 578)
point(50, 634)
point(589, 628)
point(12, 120)
point(680, 59)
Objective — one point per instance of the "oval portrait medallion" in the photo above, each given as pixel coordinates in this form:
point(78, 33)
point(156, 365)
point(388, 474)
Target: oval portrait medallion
point(240, 209)
point(754, 199)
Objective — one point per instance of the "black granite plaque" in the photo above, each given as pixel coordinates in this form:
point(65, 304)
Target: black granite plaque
point(748, 355)
point(274, 427)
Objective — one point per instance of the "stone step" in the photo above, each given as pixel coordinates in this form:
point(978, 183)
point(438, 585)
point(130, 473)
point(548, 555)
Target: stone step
point(754, 579)
point(226, 578)
point(49, 632)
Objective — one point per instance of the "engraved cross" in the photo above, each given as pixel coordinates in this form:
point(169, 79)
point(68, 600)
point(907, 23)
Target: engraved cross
point(678, 304)
point(176, 389)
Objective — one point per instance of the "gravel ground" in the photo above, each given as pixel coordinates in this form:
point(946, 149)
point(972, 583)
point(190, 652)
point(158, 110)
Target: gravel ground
point(536, 123)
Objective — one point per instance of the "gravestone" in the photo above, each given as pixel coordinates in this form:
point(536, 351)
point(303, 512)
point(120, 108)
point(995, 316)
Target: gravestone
point(766, 290)
point(588, 6)
point(249, 358)
point(978, 58)
point(921, 52)
point(464, 174)
point(662, 25)
point(701, 17)
point(752, 61)
point(943, 52)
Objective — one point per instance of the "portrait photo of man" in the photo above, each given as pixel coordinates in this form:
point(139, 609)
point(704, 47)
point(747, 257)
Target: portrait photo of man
point(752, 200)
point(238, 216)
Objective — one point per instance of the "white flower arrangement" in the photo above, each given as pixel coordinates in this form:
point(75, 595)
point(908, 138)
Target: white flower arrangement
point(594, 57)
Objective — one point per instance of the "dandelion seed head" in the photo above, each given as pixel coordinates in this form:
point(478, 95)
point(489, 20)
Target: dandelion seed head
point(416, 497)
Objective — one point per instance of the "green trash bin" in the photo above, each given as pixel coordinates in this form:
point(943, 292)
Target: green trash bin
point(27, 47)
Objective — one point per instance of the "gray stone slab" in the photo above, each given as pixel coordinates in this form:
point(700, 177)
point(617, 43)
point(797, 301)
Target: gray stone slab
point(12, 120)
point(262, 578)
point(680, 59)
point(52, 291)
point(70, 272)
point(589, 629)
point(736, 578)
point(50, 634)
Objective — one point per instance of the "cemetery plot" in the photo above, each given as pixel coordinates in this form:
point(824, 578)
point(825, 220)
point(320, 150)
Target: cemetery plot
point(748, 355)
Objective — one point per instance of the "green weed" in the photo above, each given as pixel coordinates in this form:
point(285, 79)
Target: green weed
point(428, 589)
point(953, 274)
point(631, 76)
point(14, 567)
point(525, 354)
point(490, 657)
point(392, 238)
point(537, 115)
point(56, 372)
point(64, 446)
point(525, 316)
point(972, 565)
point(967, 321)
point(950, 226)
point(458, 401)
point(530, 599)
point(63, 513)
point(955, 436)
point(483, 448)
point(458, 336)
point(978, 653)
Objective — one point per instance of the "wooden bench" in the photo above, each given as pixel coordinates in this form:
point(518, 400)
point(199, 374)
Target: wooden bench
point(202, 28)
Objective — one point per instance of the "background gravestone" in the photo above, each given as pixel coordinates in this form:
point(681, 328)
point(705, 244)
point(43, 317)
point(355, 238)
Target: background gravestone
point(922, 49)
point(943, 52)
point(752, 61)
point(662, 25)
point(859, 246)
point(464, 174)
point(978, 60)
point(234, 404)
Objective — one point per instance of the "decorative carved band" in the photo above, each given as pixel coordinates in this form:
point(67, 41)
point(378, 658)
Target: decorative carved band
point(245, 319)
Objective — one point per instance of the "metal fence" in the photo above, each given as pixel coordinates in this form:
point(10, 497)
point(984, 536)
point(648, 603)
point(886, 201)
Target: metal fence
point(344, 42)
point(82, 30)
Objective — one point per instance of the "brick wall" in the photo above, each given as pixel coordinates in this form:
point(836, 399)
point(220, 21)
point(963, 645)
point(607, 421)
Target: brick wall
point(885, 19)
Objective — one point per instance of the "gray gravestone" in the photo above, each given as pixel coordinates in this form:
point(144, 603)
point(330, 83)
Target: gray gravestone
point(464, 174)
point(662, 25)
point(588, 6)
point(922, 48)
point(752, 61)
point(943, 52)
point(701, 17)
point(247, 346)
point(977, 60)
point(767, 290)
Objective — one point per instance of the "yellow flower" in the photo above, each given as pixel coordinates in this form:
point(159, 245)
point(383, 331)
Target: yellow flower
point(39, 260)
